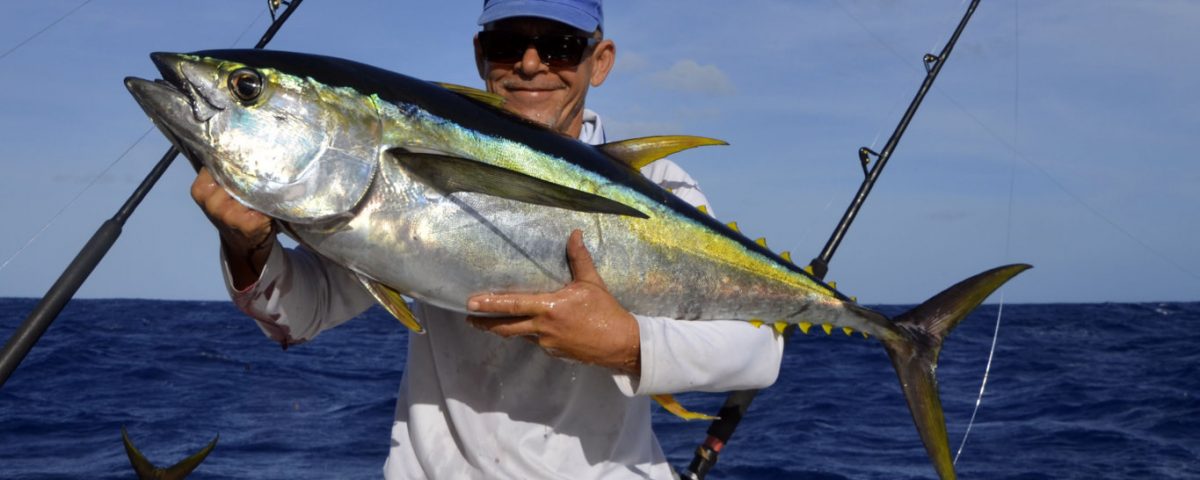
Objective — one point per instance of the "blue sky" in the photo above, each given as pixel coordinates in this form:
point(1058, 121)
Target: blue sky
point(1059, 134)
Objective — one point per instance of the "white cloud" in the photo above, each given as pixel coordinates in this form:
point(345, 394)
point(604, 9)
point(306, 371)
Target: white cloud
point(689, 76)
point(628, 62)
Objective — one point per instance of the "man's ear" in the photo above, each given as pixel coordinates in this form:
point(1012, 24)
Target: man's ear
point(478, 57)
point(605, 57)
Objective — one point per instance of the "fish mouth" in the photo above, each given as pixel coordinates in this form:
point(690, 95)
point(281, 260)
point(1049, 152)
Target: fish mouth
point(189, 77)
point(175, 103)
point(165, 105)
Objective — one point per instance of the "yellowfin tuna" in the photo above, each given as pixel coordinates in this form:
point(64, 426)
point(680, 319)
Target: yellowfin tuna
point(437, 194)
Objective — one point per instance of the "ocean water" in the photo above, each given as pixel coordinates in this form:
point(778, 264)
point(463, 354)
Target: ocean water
point(1076, 391)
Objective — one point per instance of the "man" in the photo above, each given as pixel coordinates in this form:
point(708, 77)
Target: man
point(559, 387)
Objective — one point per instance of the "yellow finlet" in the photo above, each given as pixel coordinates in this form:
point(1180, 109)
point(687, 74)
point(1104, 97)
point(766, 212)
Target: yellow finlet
point(804, 326)
point(761, 241)
point(669, 404)
point(780, 326)
point(703, 209)
point(864, 334)
point(828, 328)
point(808, 268)
point(832, 284)
point(786, 255)
point(733, 226)
point(847, 331)
point(639, 152)
point(756, 322)
point(474, 93)
point(854, 299)
point(393, 302)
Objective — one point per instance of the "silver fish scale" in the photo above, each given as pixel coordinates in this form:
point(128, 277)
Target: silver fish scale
point(444, 248)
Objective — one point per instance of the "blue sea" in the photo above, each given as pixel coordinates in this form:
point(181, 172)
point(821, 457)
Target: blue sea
point(1079, 391)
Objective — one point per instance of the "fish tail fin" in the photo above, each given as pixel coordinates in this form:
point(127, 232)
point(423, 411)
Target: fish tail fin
point(147, 471)
point(914, 353)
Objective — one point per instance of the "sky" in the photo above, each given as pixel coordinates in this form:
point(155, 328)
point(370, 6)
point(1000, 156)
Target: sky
point(1060, 133)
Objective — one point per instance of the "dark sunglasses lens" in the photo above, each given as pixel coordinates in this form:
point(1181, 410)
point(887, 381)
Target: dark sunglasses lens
point(502, 46)
point(553, 50)
point(561, 50)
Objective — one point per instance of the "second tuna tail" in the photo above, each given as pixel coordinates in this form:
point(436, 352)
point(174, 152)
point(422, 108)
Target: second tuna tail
point(914, 352)
point(148, 471)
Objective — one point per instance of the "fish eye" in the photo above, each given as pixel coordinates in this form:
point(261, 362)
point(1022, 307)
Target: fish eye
point(246, 84)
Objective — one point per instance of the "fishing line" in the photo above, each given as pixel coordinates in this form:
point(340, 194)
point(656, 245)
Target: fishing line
point(983, 385)
point(1166, 259)
point(75, 199)
point(804, 232)
point(896, 106)
point(999, 314)
point(251, 25)
point(1087, 206)
point(898, 101)
point(1012, 181)
point(948, 16)
point(110, 166)
point(43, 30)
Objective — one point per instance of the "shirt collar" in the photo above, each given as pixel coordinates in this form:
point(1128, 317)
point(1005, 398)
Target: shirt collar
point(592, 132)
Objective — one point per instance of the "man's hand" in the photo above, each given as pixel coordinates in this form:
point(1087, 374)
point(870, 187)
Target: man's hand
point(582, 321)
point(246, 235)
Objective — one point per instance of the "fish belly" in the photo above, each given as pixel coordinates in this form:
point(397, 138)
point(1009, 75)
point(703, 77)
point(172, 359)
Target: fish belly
point(442, 249)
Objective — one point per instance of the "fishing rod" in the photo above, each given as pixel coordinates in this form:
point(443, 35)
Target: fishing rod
point(55, 299)
point(736, 404)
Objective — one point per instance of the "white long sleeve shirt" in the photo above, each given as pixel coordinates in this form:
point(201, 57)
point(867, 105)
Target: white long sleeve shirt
point(474, 405)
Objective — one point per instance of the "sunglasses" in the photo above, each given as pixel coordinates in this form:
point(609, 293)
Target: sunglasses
point(555, 50)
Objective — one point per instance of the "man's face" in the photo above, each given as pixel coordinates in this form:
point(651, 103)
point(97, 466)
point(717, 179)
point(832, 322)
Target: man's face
point(550, 95)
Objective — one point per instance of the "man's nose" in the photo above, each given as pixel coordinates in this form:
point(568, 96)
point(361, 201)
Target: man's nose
point(530, 61)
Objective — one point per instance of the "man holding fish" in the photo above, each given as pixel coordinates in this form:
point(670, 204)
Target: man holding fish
point(555, 384)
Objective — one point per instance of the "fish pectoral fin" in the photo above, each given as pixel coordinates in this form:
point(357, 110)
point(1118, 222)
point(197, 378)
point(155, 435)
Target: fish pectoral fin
point(639, 152)
point(456, 174)
point(147, 471)
point(393, 302)
point(484, 96)
point(669, 404)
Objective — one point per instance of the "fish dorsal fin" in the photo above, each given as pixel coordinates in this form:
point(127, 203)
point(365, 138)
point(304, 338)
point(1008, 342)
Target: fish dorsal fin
point(474, 93)
point(639, 152)
point(147, 471)
point(455, 174)
point(393, 302)
point(669, 404)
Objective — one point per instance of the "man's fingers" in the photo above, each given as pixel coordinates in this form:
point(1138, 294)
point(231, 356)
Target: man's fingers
point(203, 186)
point(215, 204)
point(505, 326)
point(224, 209)
point(211, 197)
point(583, 269)
point(511, 304)
point(245, 218)
point(231, 214)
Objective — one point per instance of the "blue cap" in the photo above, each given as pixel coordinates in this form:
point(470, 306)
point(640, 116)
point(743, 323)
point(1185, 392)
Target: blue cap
point(585, 15)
